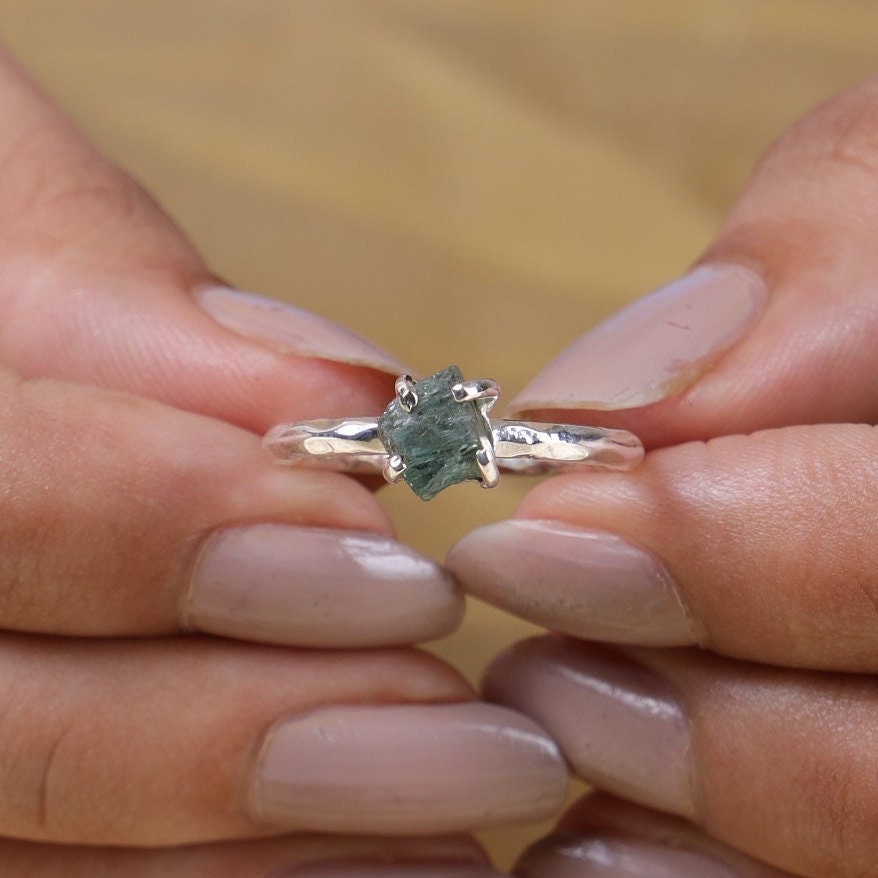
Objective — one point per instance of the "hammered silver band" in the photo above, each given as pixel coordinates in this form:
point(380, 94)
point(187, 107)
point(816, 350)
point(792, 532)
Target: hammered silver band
point(353, 445)
point(437, 432)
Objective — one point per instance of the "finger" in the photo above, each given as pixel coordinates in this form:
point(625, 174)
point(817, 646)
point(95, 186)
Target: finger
point(187, 740)
point(758, 547)
point(305, 856)
point(601, 837)
point(777, 764)
point(99, 287)
point(777, 324)
point(122, 516)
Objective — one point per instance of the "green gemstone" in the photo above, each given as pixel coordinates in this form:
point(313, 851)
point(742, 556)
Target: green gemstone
point(438, 439)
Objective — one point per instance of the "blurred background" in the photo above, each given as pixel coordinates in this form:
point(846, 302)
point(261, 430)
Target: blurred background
point(464, 181)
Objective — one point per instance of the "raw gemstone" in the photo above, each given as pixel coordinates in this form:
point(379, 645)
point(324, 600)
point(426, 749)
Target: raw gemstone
point(438, 439)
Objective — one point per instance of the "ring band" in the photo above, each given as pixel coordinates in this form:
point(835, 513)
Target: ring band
point(436, 432)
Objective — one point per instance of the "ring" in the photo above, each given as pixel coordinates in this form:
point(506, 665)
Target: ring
point(436, 432)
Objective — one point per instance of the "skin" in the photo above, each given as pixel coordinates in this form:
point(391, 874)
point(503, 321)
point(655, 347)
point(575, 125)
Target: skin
point(269, 857)
point(653, 836)
point(120, 402)
point(95, 393)
point(758, 496)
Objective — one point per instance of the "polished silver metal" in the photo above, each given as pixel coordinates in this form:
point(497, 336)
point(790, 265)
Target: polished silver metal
point(393, 469)
point(353, 444)
point(349, 444)
point(486, 459)
point(405, 392)
point(528, 447)
point(484, 388)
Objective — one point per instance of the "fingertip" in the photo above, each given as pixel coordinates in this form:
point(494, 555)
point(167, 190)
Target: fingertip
point(654, 348)
point(774, 326)
point(565, 497)
point(325, 499)
point(289, 329)
point(602, 835)
point(452, 856)
point(318, 587)
point(407, 768)
point(587, 582)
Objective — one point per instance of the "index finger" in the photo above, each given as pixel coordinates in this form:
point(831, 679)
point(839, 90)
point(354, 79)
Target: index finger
point(123, 516)
point(100, 287)
point(777, 324)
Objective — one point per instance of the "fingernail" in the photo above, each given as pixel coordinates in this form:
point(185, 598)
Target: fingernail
point(354, 869)
point(407, 768)
point(292, 330)
point(589, 583)
point(610, 856)
point(455, 856)
point(654, 348)
point(620, 726)
point(317, 587)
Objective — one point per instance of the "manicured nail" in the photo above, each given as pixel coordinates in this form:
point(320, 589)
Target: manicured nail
point(292, 330)
point(589, 583)
point(620, 726)
point(353, 869)
point(322, 855)
point(654, 348)
point(611, 856)
point(407, 768)
point(317, 587)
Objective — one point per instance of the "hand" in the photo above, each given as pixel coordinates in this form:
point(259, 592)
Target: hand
point(749, 536)
point(137, 508)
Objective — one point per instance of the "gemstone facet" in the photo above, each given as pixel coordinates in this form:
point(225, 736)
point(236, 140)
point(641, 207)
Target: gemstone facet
point(437, 441)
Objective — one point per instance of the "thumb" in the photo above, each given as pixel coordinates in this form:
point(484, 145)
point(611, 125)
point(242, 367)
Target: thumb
point(776, 324)
point(97, 286)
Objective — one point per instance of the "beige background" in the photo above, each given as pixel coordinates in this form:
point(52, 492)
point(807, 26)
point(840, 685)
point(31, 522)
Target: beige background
point(472, 182)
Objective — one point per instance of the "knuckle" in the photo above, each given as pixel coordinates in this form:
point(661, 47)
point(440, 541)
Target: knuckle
point(85, 517)
point(843, 813)
point(841, 132)
point(28, 518)
point(48, 815)
point(837, 527)
point(49, 174)
point(829, 160)
point(853, 129)
point(60, 197)
point(38, 754)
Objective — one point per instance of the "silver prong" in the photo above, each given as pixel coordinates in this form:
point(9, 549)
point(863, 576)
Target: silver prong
point(394, 468)
point(405, 393)
point(487, 464)
point(482, 388)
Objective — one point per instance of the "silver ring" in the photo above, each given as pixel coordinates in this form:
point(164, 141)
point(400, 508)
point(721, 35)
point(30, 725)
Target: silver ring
point(436, 432)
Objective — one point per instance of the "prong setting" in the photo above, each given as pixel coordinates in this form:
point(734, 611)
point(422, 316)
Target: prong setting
point(487, 463)
point(405, 392)
point(393, 469)
point(481, 389)
point(484, 392)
